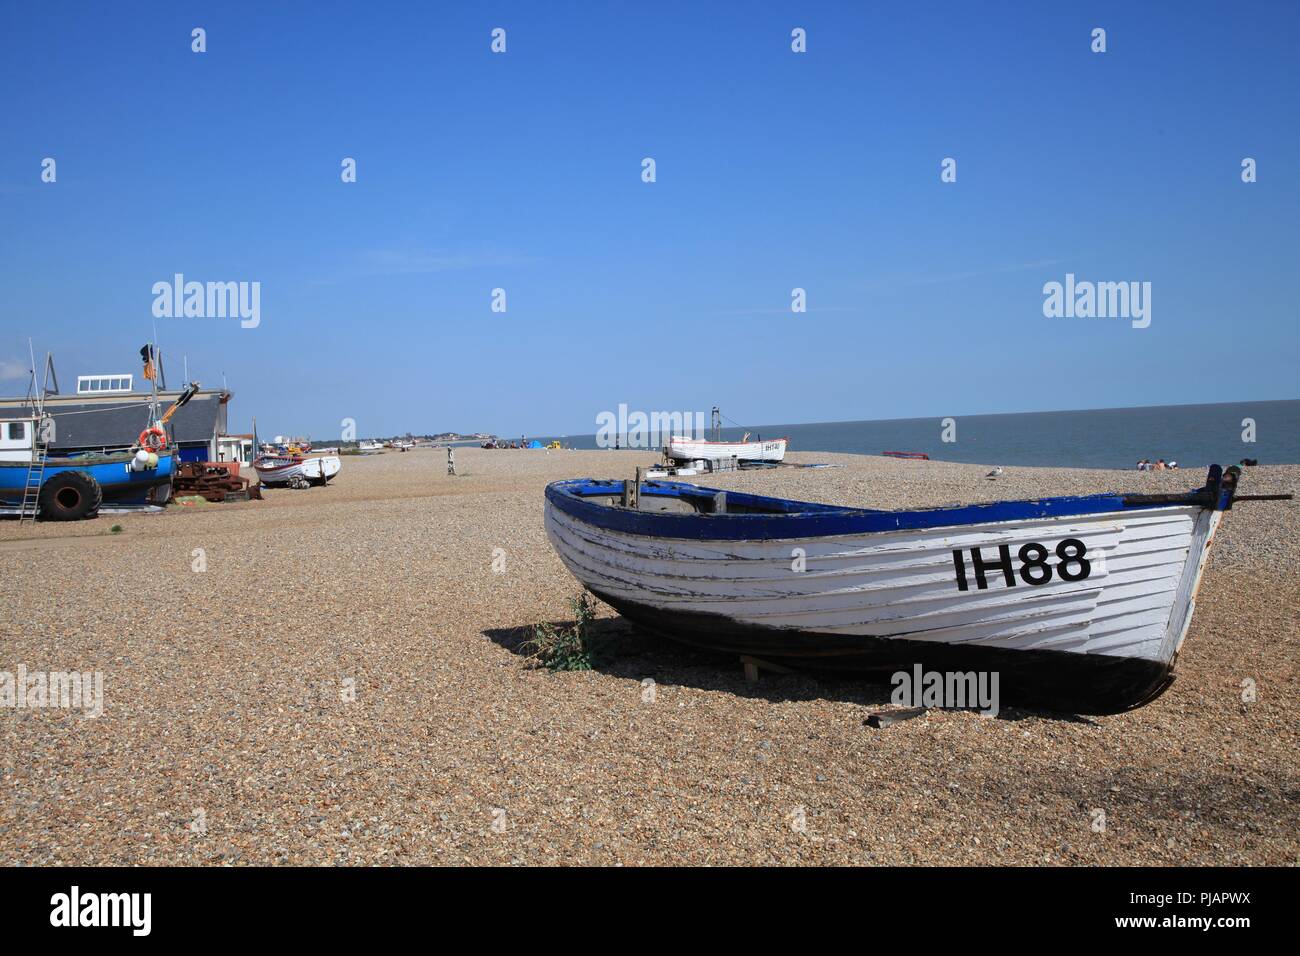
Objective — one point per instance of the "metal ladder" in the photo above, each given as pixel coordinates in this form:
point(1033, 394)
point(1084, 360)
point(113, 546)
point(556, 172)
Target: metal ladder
point(35, 478)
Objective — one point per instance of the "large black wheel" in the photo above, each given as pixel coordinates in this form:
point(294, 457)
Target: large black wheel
point(70, 496)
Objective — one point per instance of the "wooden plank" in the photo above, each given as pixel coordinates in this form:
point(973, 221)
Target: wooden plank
point(753, 665)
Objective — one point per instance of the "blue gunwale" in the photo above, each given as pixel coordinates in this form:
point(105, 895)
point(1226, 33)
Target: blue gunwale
point(803, 519)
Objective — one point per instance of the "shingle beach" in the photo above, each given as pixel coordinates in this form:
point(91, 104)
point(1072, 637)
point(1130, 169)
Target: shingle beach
point(230, 735)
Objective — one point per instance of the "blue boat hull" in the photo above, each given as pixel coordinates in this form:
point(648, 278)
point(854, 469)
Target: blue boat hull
point(119, 484)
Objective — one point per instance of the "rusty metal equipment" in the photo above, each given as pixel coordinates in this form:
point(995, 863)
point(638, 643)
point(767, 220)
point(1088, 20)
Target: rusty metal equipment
point(214, 481)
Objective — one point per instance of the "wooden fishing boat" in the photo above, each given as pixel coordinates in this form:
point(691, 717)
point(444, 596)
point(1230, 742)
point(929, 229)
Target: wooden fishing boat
point(912, 455)
point(1078, 603)
point(296, 471)
point(36, 481)
point(74, 486)
point(691, 449)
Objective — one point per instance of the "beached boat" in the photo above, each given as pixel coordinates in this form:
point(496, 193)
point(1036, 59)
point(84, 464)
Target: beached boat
point(691, 449)
point(296, 471)
point(1078, 603)
point(912, 455)
point(75, 486)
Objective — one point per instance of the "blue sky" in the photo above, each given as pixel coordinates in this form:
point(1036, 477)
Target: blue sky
point(775, 170)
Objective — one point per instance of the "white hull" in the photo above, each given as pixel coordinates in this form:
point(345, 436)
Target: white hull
point(689, 449)
point(901, 584)
point(1103, 637)
point(278, 471)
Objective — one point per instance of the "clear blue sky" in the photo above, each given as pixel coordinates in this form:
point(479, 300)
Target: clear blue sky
point(775, 170)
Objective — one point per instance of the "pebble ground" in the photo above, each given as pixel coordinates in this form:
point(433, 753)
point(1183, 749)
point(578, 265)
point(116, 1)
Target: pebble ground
point(230, 736)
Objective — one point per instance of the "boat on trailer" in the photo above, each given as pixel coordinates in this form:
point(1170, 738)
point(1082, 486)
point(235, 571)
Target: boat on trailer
point(1081, 604)
point(36, 482)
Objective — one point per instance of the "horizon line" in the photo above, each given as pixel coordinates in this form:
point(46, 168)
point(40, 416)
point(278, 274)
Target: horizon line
point(913, 418)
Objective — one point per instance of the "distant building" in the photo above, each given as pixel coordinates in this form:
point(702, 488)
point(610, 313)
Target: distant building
point(235, 448)
point(105, 415)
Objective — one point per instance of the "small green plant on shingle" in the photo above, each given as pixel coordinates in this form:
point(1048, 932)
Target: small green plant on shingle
point(116, 529)
point(570, 648)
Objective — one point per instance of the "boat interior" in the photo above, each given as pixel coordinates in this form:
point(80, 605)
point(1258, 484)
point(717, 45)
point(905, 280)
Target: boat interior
point(672, 497)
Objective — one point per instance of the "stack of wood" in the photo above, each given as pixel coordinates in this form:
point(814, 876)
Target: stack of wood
point(215, 481)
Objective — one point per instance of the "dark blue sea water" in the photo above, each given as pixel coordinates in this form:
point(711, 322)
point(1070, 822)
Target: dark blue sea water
point(1192, 435)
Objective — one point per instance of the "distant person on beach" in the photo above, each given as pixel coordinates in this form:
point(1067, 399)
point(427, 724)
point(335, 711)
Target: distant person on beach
point(1160, 464)
point(451, 461)
point(1173, 465)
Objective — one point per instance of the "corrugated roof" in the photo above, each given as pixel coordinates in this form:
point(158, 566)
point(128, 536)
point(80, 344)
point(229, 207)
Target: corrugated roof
point(104, 424)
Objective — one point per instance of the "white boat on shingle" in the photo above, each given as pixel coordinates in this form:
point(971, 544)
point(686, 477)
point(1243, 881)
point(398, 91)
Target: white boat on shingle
point(692, 449)
point(296, 470)
point(1079, 603)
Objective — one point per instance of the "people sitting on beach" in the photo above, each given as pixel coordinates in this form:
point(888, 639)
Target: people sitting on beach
point(1160, 465)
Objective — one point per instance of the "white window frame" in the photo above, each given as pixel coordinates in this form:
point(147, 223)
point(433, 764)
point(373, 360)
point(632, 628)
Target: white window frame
point(105, 384)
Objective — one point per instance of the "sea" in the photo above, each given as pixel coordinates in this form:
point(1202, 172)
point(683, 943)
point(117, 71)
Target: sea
point(1192, 435)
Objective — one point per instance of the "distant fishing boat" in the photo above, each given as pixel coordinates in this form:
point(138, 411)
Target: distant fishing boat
point(691, 449)
point(685, 448)
point(296, 471)
point(1079, 603)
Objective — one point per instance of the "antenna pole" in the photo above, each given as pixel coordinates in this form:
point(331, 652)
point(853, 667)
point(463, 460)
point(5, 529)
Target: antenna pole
point(153, 382)
point(32, 391)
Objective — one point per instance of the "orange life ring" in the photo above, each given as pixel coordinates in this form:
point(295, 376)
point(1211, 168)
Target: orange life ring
point(154, 439)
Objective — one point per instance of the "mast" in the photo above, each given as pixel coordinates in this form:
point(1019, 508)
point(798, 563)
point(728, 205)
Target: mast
point(33, 392)
point(153, 382)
